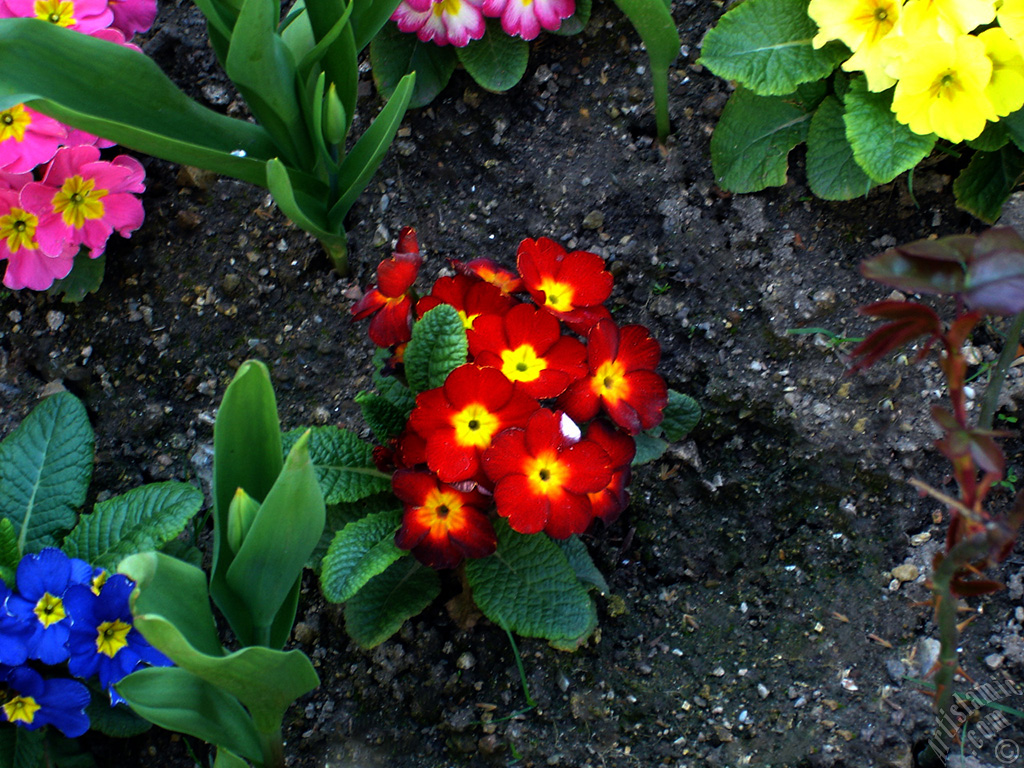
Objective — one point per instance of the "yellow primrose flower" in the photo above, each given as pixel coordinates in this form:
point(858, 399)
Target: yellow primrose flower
point(856, 22)
point(942, 89)
point(964, 15)
point(1011, 18)
point(1006, 87)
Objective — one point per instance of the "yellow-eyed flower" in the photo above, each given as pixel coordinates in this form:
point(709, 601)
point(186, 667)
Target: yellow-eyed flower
point(942, 89)
point(1006, 87)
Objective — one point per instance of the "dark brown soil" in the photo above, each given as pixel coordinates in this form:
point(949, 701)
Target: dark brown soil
point(754, 618)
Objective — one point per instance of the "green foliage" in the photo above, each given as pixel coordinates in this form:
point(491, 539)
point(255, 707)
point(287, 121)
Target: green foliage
point(437, 348)
point(344, 464)
point(854, 140)
point(299, 81)
point(394, 54)
point(766, 45)
point(753, 139)
point(832, 171)
point(140, 520)
point(85, 277)
point(380, 608)
point(653, 21)
point(360, 551)
point(236, 700)
point(45, 467)
point(529, 587)
point(988, 180)
point(882, 146)
point(496, 61)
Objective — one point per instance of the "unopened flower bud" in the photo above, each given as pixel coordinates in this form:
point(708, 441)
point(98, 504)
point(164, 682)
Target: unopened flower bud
point(241, 513)
point(333, 117)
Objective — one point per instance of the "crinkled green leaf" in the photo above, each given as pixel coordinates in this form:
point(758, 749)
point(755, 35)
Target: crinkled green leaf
point(344, 464)
point(85, 277)
point(752, 141)
point(648, 448)
point(995, 136)
point(390, 387)
point(766, 46)
point(385, 418)
point(359, 551)
point(681, 415)
point(497, 61)
point(984, 185)
point(528, 587)
point(380, 608)
point(9, 554)
point(438, 346)
point(832, 171)
point(393, 54)
point(140, 520)
point(45, 467)
point(340, 515)
point(582, 564)
point(883, 147)
point(118, 721)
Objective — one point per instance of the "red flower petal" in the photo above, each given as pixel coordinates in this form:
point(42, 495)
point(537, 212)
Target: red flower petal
point(526, 511)
point(637, 349)
point(569, 515)
point(396, 275)
point(392, 325)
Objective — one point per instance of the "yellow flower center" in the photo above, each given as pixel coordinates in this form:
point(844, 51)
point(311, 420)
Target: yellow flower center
point(475, 426)
point(451, 7)
point(557, 296)
point(78, 200)
point(467, 320)
point(49, 610)
point(21, 708)
point(609, 382)
point(522, 364)
point(18, 228)
point(13, 123)
point(59, 12)
point(545, 474)
point(98, 581)
point(442, 503)
point(111, 637)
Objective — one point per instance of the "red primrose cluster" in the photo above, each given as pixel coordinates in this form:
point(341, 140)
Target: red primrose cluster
point(538, 425)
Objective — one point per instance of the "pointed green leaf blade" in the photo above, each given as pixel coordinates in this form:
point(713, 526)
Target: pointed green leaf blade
point(178, 700)
point(752, 141)
point(379, 609)
point(882, 146)
point(287, 527)
point(359, 551)
point(246, 454)
point(529, 588)
point(45, 467)
point(984, 185)
point(497, 61)
point(438, 346)
point(141, 520)
point(832, 171)
point(344, 464)
point(47, 62)
point(766, 46)
point(263, 69)
point(368, 18)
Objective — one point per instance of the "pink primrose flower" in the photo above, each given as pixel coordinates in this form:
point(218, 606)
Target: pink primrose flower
point(28, 138)
point(14, 181)
point(83, 199)
point(80, 15)
point(525, 18)
point(28, 264)
point(443, 21)
point(131, 16)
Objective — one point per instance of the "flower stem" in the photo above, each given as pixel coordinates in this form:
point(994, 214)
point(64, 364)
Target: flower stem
point(272, 745)
point(337, 251)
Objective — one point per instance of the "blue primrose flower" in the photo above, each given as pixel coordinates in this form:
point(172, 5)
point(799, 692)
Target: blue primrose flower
point(42, 581)
point(30, 701)
point(102, 640)
point(14, 634)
